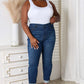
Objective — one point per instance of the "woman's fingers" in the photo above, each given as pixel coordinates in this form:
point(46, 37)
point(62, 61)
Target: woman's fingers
point(31, 46)
point(35, 44)
point(37, 41)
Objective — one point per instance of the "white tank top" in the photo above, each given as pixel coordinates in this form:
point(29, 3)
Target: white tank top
point(40, 15)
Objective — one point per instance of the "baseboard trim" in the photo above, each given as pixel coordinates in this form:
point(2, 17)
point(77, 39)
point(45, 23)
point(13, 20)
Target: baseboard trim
point(81, 82)
point(65, 79)
point(72, 80)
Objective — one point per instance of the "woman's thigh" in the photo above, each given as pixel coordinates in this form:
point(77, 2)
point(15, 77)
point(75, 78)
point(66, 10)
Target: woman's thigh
point(48, 45)
point(34, 54)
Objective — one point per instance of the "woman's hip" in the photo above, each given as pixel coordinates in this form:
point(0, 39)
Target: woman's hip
point(42, 31)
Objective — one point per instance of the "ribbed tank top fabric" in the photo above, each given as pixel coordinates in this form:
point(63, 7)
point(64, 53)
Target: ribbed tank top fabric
point(40, 15)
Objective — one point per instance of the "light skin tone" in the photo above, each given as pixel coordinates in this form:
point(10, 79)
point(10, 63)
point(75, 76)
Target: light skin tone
point(24, 18)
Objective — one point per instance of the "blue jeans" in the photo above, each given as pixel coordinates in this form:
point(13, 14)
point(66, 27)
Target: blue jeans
point(45, 34)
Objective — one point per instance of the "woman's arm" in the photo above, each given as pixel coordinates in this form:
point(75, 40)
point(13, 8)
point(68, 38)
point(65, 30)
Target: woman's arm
point(24, 19)
point(56, 16)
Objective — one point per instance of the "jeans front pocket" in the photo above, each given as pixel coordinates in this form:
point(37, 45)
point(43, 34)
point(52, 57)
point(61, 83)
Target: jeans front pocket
point(33, 27)
point(37, 34)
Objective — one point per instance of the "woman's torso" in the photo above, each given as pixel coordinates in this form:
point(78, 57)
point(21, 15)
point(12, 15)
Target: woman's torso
point(40, 15)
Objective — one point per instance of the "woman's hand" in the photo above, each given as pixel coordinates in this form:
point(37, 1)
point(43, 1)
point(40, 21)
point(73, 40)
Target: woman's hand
point(34, 43)
point(54, 19)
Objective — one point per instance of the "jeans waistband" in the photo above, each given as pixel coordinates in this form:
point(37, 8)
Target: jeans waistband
point(40, 24)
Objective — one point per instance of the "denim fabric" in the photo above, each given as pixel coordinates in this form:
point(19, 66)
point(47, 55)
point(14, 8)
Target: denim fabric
point(45, 34)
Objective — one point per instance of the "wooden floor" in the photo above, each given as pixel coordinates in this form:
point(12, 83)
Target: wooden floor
point(59, 82)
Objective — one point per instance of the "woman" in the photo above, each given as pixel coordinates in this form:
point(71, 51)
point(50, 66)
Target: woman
point(40, 35)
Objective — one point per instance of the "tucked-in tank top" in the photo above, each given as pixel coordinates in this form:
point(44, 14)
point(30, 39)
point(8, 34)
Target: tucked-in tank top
point(40, 15)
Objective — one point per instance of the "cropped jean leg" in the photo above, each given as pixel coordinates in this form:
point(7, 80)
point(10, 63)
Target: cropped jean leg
point(47, 51)
point(34, 55)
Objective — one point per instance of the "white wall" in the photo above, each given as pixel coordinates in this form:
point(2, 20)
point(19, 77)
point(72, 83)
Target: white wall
point(6, 25)
point(80, 57)
point(68, 61)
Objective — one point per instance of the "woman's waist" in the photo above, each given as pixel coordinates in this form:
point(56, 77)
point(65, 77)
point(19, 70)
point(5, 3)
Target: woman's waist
point(41, 27)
